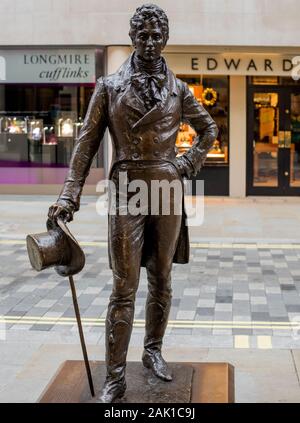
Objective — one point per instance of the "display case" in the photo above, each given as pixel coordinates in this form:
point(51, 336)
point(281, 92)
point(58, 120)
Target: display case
point(65, 124)
point(35, 130)
point(13, 125)
point(13, 139)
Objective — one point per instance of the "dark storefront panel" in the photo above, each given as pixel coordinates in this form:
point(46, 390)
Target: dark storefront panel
point(216, 180)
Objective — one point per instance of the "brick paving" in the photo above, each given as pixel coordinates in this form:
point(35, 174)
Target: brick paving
point(237, 300)
point(237, 296)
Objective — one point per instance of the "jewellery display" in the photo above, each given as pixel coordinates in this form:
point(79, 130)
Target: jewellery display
point(35, 129)
point(13, 125)
point(65, 127)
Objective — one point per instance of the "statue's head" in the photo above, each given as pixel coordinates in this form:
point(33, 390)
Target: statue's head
point(149, 31)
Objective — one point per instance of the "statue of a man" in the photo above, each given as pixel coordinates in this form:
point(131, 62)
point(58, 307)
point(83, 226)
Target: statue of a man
point(142, 105)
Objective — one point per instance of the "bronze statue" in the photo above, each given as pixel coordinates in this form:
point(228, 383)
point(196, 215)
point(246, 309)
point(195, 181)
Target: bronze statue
point(142, 105)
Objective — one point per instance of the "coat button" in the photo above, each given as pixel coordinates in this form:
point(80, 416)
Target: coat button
point(156, 153)
point(137, 140)
point(135, 155)
point(156, 139)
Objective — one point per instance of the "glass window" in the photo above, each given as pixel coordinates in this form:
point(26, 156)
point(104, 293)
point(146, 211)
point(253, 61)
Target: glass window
point(212, 92)
point(266, 139)
point(39, 125)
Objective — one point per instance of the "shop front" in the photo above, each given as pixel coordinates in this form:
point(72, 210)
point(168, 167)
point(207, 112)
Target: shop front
point(44, 95)
point(254, 97)
point(273, 150)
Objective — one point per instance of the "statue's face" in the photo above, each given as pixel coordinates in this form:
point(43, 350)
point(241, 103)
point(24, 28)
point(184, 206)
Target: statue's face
point(149, 42)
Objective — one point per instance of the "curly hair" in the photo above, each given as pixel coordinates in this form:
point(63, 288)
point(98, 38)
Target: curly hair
point(149, 13)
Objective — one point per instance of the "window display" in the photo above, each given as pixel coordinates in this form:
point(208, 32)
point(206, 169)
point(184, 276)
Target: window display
point(212, 92)
point(35, 130)
point(13, 125)
point(65, 127)
point(40, 123)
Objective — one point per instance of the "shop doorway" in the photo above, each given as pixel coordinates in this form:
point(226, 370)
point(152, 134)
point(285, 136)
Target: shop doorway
point(273, 140)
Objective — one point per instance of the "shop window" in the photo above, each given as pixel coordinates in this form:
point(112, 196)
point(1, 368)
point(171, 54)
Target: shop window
point(212, 92)
point(39, 124)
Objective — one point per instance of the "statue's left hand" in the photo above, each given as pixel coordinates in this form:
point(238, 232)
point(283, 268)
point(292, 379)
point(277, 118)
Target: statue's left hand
point(63, 210)
point(183, 165)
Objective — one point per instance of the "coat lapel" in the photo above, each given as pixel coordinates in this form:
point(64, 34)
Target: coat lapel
point(131, 99)
point(157, 112)
point(129, 95)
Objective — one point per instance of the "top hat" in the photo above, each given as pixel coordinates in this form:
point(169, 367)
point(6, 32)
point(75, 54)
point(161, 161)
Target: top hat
point(57, 247)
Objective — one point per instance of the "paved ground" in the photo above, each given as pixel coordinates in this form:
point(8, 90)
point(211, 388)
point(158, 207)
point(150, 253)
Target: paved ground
point(237, 300)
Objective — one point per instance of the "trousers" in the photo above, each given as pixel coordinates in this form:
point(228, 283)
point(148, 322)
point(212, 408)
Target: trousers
point(152, 230)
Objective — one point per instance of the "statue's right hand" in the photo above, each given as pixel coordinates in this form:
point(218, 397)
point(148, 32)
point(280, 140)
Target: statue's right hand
point(63, 210)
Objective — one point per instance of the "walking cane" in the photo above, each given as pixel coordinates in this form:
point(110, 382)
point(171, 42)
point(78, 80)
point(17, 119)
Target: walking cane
point(77, 314)
point(47, 249)
point(84, 351)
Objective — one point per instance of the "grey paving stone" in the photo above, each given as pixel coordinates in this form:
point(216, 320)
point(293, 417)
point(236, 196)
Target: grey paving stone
point(223, 299)
point(223, 307)
point(204, 311)
point(293, 308)
point(46, 303)
point(43, 327)
point(185, 314)
point(259, 308)
point(258, 300)
point(242, 331)
point(223, 315)
point(241, 296)
point(260, 316)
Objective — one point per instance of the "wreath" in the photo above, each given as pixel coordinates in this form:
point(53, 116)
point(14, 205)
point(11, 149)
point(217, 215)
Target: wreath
point(209, 96)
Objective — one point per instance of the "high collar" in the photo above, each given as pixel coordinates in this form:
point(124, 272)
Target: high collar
point(151, 68)
point(126, 70)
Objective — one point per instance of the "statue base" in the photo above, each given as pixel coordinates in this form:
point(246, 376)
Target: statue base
point(192, 382)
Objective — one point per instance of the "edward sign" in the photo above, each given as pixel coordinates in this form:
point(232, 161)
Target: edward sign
point(233, 64)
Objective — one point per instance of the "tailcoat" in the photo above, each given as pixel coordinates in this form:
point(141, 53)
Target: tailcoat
point(139, 134)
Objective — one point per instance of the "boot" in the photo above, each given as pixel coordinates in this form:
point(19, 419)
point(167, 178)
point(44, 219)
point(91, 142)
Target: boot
point(157, 364)
point(156, 323)
point(118, 332)
point(112, 390)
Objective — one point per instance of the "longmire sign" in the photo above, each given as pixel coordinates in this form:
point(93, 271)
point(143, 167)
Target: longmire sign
point(234, 64)
point(47, 66)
